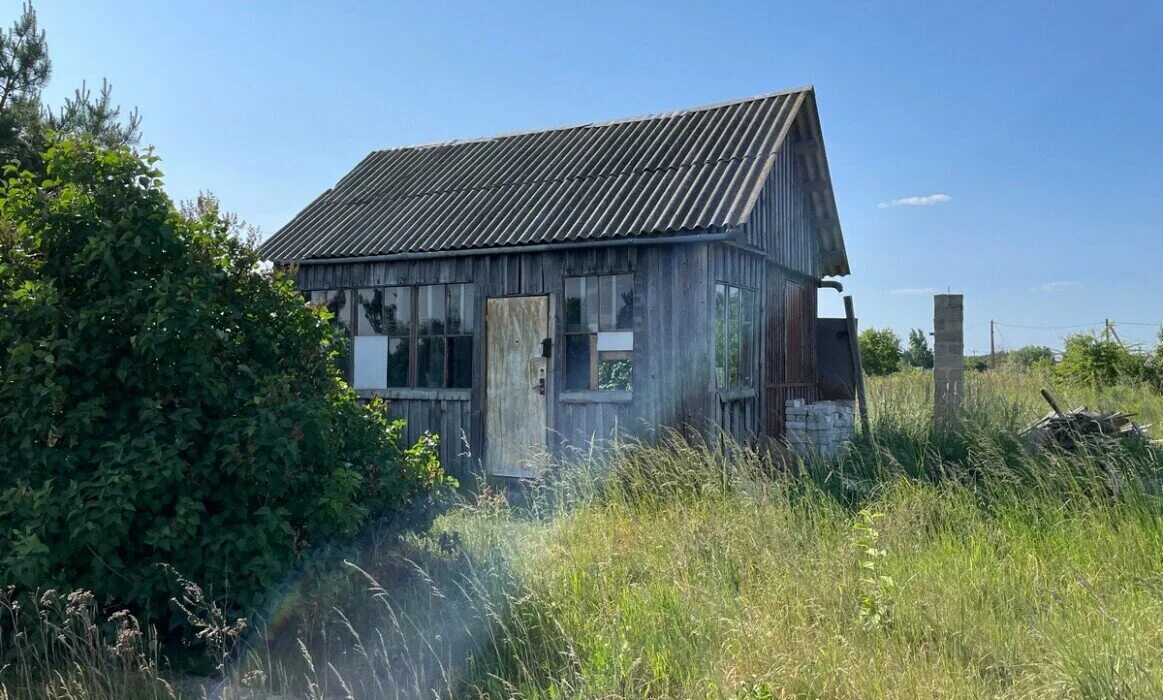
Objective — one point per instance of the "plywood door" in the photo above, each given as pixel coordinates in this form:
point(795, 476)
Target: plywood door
point(514, 402)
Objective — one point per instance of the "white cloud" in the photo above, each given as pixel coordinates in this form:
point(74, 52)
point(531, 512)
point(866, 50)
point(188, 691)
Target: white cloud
point(1052, 287)
point(919, 201)
point(916, 290)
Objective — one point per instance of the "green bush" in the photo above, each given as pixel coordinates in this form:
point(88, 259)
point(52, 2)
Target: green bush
point(163, 400)
point(880, 351)
point(1094, 362)
point(1030, 356)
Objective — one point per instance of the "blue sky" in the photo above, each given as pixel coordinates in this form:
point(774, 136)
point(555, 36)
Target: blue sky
point(1039, 124)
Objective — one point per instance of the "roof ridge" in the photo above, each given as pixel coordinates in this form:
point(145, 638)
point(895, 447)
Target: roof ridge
point(608, 122)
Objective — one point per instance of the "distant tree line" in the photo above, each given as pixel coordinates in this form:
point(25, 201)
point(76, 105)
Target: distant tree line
point(1088, 359)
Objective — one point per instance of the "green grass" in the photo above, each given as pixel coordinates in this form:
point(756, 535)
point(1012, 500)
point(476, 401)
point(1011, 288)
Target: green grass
point(949, 564)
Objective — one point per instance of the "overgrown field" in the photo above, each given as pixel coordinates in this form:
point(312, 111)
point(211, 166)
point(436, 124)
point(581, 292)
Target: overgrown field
point(923, 564)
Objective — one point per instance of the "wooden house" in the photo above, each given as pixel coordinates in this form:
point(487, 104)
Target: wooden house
point(533, 289)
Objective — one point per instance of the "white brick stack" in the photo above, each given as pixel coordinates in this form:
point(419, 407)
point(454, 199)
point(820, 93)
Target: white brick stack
point(819, 428)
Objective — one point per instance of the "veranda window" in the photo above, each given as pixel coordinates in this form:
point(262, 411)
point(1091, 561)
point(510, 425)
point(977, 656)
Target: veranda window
point(337, 302)
point(447, 319)
point(736, 336)
point(415, 336)
point(599, 332)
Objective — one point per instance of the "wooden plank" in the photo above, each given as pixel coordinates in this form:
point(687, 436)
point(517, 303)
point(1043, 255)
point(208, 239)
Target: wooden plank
point(858, 368)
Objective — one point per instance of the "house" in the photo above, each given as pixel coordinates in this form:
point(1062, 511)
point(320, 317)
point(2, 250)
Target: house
point(528, 290)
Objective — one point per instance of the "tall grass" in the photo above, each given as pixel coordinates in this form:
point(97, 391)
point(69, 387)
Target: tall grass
point(923, 563)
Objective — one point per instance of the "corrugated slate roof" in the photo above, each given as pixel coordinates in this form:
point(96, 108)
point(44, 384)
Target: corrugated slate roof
point(675, 172)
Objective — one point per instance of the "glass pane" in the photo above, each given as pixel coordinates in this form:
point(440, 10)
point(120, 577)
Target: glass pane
point(370, 362)
point(720, 335)
point(430, 362)
point(581, 304)
point(432, 315)
point(398, 310)
point(461, 308)
point(460, 362)
point(614, 375)
point(732, 337)
point(577, 362)
point(369, 312)
point(397, 362)
point(607, 295)
point(747, 340)
point(336, 302)
point(624, 302)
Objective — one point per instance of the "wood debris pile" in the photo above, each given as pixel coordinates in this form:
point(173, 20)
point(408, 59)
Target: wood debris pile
point(1068, 428)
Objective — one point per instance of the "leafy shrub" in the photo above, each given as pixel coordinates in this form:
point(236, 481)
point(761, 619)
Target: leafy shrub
point(1091, 361)
point(162, 400)
point(880, 351)
point(1030, 356)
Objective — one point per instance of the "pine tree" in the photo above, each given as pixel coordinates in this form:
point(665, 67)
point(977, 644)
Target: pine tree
point(26, 124)
point(918, 353)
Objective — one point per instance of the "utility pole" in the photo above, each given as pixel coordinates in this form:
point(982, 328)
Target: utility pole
point(1111, 327)
point(992, 357)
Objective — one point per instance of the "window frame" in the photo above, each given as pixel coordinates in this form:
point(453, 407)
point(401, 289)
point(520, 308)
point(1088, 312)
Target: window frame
point(413, 335)
point(596, 321)
point(748, 315)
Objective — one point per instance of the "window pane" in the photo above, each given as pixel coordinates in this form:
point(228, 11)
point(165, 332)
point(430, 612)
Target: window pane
point(369, 312)
point(432, 310)
point(460, 362)
point(336, 302)
point(398, 310)
point(397, 362)
point(747, 340)
point(430, 362)
point(624, 303)
point(721, 335)
point(370, 362)
point(581, 304)
point(577, 362)
point(614, 375)
point(607, 295)
point(616, 296)
point(461, 308)
point(732, 337)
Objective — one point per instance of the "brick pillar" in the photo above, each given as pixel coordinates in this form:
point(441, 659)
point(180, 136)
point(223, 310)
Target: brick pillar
point(948, 355)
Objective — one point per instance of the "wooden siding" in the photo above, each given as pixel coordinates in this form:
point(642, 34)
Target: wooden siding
point(780, 232)
point(672, 365)
point(780, 224)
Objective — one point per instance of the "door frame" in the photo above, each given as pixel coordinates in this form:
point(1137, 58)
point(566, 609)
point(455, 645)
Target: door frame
point(550, 372)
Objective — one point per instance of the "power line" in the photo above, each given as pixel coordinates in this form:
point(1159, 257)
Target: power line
point(1049, 328)
point(1080, 325)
